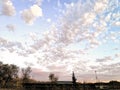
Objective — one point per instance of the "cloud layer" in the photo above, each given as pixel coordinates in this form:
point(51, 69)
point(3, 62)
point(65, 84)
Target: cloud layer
point(82, 29)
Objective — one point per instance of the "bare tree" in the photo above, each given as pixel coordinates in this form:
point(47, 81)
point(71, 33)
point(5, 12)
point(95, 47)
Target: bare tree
point(26, 74)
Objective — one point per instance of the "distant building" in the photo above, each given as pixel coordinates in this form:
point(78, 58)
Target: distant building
point(71, 85)
point(58, 85)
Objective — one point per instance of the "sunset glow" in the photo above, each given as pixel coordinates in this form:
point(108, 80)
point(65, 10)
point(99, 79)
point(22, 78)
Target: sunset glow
point(62, 36)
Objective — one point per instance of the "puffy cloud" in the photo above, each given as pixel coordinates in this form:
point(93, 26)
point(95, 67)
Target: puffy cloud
point(66, 45)
point(33, 36)
point(28, 63)
point(10, 27)
point(88, 18)
point(100, 6)
point(108, 17)
point(82, 25)
point(46, 41)
point(117, 55)
point(36, 10)
point(10, 45)
point(105, 59)
point(87, 22)
point(85, 27)
point(30, 15)
point(117, 23)
point(111, 68)
point(7, 8)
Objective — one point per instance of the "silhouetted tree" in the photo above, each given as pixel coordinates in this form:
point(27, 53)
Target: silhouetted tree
point(73, 78)
point(52, 77)
point(7, 73)
point(26, 74)
point(74, 81)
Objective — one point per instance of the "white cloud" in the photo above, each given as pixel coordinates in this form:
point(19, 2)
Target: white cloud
point(88, 18)
point(117, 55)
point(105, 59)
point(7, 8)
point(10, 45)
point(30, 15)
point(117, 23)
point(33, 36)
point(108, 17)
point(100, 6)
point(49, 20)
point(85, 26)
point(82, 25)
point(79, 25)
point(36, 11)
point(10, 27)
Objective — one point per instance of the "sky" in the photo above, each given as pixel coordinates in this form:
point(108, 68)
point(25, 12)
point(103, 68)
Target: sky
point(61, 36)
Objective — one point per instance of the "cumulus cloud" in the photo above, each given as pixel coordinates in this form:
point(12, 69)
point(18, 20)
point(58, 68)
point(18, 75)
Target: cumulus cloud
point(31, 14)
point(7, 8)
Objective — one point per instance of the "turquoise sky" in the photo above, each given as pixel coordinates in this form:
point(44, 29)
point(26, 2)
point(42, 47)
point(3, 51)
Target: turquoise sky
point(62, 36)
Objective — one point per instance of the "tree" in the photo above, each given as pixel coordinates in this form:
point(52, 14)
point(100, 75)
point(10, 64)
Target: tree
point(1, 74)
point(73, 78)
point(7, 73)
point(26, 74)
point(52, 77)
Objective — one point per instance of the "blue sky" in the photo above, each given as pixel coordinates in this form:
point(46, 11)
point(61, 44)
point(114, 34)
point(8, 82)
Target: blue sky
point(61, 36)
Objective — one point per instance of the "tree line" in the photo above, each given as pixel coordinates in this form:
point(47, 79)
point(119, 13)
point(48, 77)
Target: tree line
point(13, 76)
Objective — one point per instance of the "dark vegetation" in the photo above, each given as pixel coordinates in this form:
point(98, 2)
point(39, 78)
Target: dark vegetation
point(53, 78)
point(13, 77)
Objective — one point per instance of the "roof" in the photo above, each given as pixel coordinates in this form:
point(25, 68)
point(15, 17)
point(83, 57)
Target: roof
point(57, 82)
point(64, 82)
